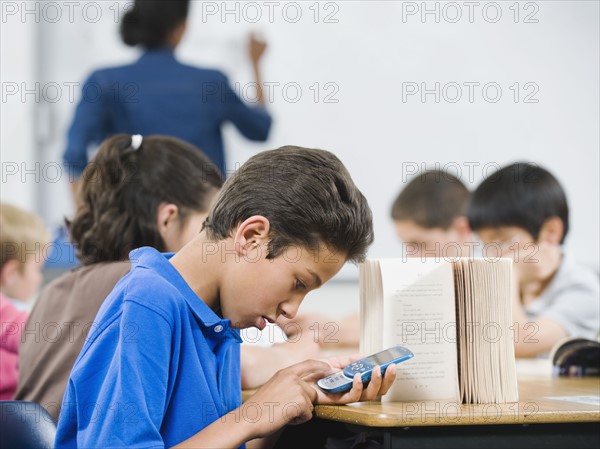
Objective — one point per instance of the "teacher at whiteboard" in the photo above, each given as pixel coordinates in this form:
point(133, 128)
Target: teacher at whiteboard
point(159, 95)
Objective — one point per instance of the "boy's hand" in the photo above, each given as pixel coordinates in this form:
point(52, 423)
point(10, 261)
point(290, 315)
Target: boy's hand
point(288, 397)
point(377, 386)
point(285, 399)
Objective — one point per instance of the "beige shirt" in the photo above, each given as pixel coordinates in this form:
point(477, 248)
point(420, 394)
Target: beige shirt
point(57, 328)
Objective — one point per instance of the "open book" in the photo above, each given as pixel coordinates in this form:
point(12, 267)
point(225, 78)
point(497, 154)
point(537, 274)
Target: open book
point(456, 319)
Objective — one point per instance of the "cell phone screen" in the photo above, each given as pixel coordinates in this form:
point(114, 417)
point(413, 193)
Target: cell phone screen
point(384, 356)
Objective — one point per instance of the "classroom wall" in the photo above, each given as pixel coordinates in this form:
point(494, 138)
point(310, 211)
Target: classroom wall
point(17, 131)
point(349, 77)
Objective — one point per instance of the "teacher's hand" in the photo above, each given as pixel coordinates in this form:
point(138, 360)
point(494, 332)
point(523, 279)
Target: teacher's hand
point(256, 48)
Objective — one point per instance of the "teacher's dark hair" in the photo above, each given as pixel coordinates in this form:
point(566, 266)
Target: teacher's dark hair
point(150, 22)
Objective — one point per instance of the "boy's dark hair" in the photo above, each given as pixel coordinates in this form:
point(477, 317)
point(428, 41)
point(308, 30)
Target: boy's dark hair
point(122, 188)
point(306, 194)
point(432, 199)
point(150, 22)
point(521, 194)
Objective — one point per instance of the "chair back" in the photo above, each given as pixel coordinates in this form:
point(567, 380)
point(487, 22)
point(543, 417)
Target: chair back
point(25, 425)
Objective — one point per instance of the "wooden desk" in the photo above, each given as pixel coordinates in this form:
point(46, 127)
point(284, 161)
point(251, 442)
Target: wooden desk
point(552, 412)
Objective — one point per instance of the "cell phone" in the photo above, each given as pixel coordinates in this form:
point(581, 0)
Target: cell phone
point(342, 380)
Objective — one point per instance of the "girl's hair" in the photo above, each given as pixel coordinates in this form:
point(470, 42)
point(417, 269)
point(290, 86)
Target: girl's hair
point(150, 22)
point(122, 188)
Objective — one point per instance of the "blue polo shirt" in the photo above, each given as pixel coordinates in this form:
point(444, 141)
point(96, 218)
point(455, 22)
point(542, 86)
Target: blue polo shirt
point(158, 366)
point(159, 95)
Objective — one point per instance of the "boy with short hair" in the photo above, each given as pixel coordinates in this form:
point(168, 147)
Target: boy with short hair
point(430, 216)
point(522, 210)
point(162, 366)
point(22, 238)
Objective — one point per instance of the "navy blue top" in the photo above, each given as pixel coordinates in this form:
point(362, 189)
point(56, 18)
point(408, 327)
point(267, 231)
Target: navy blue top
point(157, 367)
point(159, 95)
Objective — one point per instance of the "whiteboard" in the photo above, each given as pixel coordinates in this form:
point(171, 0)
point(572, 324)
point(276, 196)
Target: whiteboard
point(390, 87)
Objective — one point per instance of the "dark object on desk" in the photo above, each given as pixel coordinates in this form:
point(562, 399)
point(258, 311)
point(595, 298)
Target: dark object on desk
point(25, 425)
point(576, 357)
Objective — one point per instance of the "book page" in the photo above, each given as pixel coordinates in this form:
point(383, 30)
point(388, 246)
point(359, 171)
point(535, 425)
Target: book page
point(489, 373)
point(419, 313)
point(467, 334)
point(508, 368)
point(459, 293)
point(371, 305)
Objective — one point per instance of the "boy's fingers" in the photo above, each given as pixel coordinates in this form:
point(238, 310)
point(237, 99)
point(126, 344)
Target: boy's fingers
point(381, 385)
point(342, 361)
point(374, 386)
point(297, 413)
point(310, 392)
point(309, 367)
point(312, 377)
point(304, 416)
point(388, 379)
point(355, 393)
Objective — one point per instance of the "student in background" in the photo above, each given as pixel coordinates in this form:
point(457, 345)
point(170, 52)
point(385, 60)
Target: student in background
point(159, 95)
point(167, 345)
point(23, 238)
point(522, 212)
point(152, 191)
point(430, 216)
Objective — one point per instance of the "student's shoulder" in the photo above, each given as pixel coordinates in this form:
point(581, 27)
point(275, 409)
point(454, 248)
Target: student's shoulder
point(144, 281)
point(78, 293)
point(155, 286)
point(86, 277)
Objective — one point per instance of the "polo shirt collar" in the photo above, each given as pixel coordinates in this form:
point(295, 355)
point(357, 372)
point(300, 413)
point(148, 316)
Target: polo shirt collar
point(147, 257)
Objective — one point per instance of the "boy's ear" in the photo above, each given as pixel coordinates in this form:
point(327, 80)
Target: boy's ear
point(552, 231)
point(10, 271)
point(253, 232)
point(461, 225)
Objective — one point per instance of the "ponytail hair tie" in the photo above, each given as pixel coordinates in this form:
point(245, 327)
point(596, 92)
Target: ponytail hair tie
point(136, 141)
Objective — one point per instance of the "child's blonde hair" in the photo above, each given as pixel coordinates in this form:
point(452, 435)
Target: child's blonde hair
point(21, 234)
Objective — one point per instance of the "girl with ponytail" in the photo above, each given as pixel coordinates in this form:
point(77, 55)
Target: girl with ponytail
point(139, 191)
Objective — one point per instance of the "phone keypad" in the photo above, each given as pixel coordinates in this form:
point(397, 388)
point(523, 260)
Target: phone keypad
point(333, 381)
point(358, 367)
point(335, 378)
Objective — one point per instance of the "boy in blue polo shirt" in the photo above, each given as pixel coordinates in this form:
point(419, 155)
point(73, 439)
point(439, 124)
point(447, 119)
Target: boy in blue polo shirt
point(161, 366)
